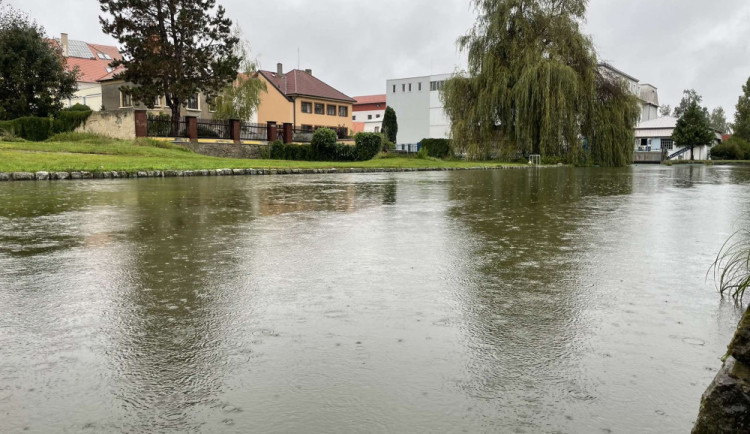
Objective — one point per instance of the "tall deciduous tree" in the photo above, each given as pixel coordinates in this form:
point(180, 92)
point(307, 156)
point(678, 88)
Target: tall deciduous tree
point(665, 110)
point(241, 98)
point(390, 124)
point(742, 115)
point(33, 77)
point(693, 128)
point(718, 119)
point(172, 48)
point(533, 85)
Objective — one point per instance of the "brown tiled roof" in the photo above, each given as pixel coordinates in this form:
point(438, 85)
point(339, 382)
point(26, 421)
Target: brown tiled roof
point(370, 99)
point(300, 83)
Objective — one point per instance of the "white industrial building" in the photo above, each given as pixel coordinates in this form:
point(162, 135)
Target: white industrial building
point(419, 109)
point(654, 143)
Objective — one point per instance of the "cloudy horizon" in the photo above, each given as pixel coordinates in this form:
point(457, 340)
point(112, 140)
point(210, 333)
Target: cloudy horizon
point(356, 46)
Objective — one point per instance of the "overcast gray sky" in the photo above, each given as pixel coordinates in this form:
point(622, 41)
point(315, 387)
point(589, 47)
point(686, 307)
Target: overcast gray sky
point(356, 45)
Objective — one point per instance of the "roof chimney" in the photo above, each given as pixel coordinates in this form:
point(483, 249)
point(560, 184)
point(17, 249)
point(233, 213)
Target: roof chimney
point(64, 44)
point(279, 69)
point(309, 71)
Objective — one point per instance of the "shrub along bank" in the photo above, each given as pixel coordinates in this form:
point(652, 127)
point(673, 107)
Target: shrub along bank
point(39, 129)
point(324, 147)
point(733, 149)
point(437, 148)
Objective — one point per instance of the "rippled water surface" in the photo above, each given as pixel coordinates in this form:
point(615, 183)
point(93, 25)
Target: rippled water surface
point(555, 300)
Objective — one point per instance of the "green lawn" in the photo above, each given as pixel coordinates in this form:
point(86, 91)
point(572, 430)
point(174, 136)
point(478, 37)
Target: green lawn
point(115, 155)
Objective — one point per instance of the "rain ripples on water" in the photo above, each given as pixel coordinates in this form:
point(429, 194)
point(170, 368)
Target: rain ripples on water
point(555, 300)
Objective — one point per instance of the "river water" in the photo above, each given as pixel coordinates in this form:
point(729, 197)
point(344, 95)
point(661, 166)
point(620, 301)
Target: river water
point(552, 300)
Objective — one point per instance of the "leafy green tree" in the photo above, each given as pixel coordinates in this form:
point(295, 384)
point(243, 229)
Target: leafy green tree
point(688, 96)
point(33, 77)
point(241, 98)
point(741, 124)
point(693, 128)
point(172, 48)
point(390, 124)
point(718, 119)
point(533, 86)
point(665, 110)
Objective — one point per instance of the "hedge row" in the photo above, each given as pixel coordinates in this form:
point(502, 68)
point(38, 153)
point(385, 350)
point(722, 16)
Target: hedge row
point(39, 129)
point(324, 147)
point(733, 149)
point(437, 148)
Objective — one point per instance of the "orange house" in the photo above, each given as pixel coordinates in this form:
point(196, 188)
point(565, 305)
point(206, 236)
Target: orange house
point(299, 98)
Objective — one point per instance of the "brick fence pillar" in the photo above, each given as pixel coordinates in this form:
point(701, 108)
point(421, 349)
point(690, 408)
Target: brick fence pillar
point(288, 132)
point(273, 131)
point(192, 128)
point(141, 123)
point(235, 126)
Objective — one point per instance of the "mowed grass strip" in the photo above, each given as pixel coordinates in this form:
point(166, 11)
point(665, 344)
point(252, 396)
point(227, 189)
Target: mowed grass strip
point(117, 155)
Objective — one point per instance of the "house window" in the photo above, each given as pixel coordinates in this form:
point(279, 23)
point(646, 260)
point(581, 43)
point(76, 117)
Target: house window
point(306, 107)
point(192, 103)
point(343, 111)
point(436, 85)
point(126, 100)
point(419, 86)
point(157, 102)
point(307, 128)
point(331, 110)
point(369, 117)
point(409, 87)
point(320, 109)
point(377, 116)
point(354, 118)
point(667, 144)
point(377, 129)
point(403, 87)
point(394, 88)
point(211, 101)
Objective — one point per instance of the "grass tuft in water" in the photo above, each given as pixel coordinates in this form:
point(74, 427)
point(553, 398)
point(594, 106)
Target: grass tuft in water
point(731, 268)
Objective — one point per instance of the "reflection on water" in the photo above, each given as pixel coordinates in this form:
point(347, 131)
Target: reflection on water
point(564, 300)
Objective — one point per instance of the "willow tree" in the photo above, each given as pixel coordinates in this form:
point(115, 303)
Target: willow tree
point(533, 85)
point(240, 99)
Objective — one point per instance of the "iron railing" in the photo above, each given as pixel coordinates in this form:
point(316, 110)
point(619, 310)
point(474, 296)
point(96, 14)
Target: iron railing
point(249, 131)
point(162, 127)
point(213, 130)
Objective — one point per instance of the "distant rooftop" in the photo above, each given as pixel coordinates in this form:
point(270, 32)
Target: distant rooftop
point(302, 83)
point(370, 99)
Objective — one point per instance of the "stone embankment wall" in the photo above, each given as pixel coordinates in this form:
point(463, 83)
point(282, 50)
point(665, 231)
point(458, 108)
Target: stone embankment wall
point(224, 150)
point(725, 407)
point(118, 124)
point(55, 176)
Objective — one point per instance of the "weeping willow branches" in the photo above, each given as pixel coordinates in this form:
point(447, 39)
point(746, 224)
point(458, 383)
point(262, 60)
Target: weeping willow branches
point(533, 87)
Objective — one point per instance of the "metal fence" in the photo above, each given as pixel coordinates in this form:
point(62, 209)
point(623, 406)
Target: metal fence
point(214, 130)
point(162, 127)
point(250, 131)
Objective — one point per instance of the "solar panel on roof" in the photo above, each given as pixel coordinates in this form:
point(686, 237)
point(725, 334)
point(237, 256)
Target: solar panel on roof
point(79, 49)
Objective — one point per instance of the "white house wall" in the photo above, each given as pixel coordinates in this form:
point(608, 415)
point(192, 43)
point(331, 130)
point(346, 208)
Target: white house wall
point(89, 94)
point(373, 119)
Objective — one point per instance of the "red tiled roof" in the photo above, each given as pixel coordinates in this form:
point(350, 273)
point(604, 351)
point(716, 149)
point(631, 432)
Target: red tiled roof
point(370, 99)
point(94, 68)
point(300, 83)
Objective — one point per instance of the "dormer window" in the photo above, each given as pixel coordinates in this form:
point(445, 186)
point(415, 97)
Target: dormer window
point(101, 56)
point(109, 69)
point(108, 57)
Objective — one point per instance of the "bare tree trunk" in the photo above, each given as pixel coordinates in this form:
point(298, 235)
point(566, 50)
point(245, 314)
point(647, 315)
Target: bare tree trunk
point(175, 120)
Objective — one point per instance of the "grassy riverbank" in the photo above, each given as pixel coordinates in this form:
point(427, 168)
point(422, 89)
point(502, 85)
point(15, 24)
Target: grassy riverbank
point(98, 155)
